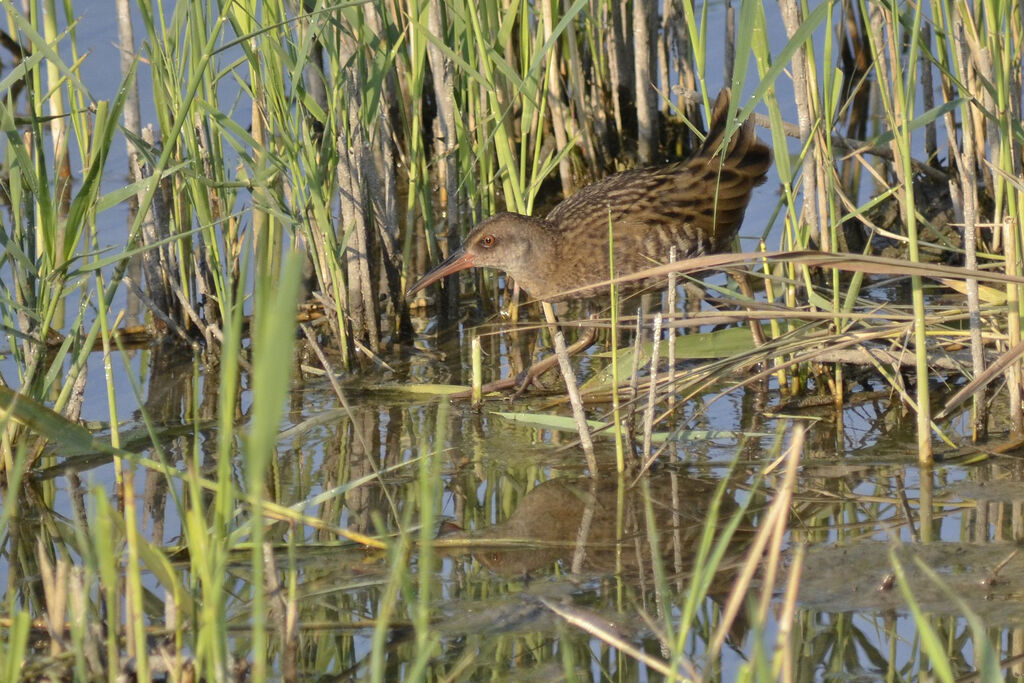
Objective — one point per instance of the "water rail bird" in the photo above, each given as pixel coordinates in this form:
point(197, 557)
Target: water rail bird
point(695, 205)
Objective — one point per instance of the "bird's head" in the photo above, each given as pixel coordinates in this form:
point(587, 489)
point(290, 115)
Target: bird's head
point(507, 241)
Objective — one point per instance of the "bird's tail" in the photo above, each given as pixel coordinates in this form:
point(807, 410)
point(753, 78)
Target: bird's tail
point(742, 152)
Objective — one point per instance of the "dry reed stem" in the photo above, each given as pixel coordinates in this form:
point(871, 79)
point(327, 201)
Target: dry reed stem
point(446, 140)
point(670, 306)
point(729, 44)
point(619, 73)
point(967, 192)
point(931, 147)
point(806, 116)
point(579, 554)
point(653, 382)
point(363, 443)
point(55, 593)
point(560, 115)
point(771, 533)
point(1013, 368)
point(282, 613)
point(569, 376)
point(980, 381)
point(646, 100)
point(608, 633)
point(787, 612)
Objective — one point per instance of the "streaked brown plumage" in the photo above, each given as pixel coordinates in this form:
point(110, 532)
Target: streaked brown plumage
point(696, 205)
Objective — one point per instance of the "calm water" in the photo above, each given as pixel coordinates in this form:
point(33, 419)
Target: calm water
point(859, 495)
point(500, 479)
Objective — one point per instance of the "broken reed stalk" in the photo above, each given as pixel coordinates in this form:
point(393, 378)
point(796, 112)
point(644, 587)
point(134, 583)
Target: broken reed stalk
point(476, 372)
point(670, 306)
point(776, 330)
point(579, 553)
point(652, 387)
point(569, 376)
point(787, 612)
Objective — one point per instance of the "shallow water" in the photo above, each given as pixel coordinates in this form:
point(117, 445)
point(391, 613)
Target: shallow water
point(511, 496)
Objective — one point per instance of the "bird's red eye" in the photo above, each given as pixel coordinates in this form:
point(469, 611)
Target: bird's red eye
point(488, 241)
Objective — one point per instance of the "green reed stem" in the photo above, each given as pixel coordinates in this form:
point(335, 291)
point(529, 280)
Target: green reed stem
point(900, 106)
point(427, 638)
point(620, 451)
point(273, 341)
point(136, 622)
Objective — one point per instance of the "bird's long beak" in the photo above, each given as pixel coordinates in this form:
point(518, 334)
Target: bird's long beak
point(459, 260)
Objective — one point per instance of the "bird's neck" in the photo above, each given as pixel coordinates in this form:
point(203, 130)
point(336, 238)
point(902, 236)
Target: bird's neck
point(538, 268)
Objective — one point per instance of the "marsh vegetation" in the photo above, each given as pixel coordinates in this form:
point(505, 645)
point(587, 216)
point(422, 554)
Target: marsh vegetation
point(231, 448)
